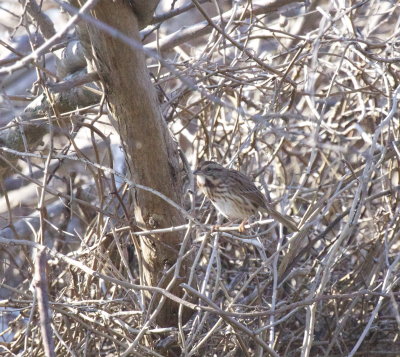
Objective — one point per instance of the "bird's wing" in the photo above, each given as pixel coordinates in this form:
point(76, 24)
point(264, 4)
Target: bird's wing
point(249, 190)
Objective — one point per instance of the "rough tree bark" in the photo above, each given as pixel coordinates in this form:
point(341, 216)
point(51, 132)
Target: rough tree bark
point(151, 153)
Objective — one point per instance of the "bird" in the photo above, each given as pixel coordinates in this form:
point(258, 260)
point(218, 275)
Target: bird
point(234, 195)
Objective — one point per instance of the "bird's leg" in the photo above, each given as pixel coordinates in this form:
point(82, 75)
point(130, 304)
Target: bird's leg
point(241, 228)
point(215, 228)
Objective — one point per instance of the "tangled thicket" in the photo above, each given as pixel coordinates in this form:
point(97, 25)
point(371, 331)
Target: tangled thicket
point(305, 101)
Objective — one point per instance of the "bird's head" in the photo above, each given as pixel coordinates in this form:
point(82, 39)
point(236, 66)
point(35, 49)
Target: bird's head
point(207, 172)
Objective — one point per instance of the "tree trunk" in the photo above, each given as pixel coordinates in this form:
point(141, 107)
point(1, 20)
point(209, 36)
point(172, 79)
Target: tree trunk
point(151, 153)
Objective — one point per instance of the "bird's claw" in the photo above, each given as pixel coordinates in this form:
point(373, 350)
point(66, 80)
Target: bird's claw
point(215, 228)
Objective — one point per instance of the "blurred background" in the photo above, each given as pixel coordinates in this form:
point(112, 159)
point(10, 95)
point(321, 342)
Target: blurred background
point(300, 96)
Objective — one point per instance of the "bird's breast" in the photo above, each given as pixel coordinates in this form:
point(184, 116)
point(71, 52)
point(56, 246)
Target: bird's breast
point(205, 185)
point(229, 209)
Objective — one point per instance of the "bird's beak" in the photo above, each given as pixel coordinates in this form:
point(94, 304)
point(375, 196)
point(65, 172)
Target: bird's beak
point(196, 172)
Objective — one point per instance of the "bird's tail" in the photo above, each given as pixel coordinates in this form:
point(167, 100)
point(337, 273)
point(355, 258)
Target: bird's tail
point(287, 221)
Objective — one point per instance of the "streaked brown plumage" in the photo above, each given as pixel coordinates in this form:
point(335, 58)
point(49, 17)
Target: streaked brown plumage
point(234, 195)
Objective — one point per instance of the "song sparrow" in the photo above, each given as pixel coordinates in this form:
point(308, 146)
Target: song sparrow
point(234, 195)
